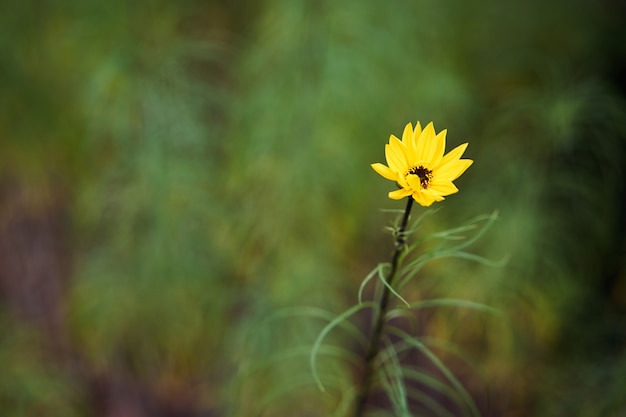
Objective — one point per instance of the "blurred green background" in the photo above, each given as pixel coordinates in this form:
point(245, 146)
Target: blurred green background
point(173, 175)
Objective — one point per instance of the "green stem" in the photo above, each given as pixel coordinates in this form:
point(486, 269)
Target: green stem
point(379, 325)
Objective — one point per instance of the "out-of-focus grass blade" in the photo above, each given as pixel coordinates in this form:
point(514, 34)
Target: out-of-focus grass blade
point(469, 402)
point(330, 326)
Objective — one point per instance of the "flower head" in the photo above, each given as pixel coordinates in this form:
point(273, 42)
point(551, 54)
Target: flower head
point(418, 165)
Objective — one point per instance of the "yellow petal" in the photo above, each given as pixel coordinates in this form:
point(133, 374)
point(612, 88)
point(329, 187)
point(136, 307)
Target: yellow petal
point(402, 182)
point(454, 154)
point(425, 145)
point(397, 144)
point(402, 148)
point(414, 182)
point(396, 159)
point(385, 171)
point(452, 170)
point(413, 142)
point(418, 130)
point(407, 134)
point(442, 188)
point(440, 147)
point(399, 194)
point(407, 139)
point(423, 199)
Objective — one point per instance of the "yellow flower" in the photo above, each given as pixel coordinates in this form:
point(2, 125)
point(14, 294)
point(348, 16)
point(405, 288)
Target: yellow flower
point(419, 167)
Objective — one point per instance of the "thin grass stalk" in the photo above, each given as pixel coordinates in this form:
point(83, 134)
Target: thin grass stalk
point(379, 324)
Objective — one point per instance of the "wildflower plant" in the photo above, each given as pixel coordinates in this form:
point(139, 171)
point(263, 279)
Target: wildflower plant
point(420, 168)
point(424, 174)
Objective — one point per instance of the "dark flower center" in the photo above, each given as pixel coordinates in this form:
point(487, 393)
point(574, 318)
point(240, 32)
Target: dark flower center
point(424, 174)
